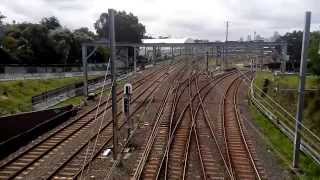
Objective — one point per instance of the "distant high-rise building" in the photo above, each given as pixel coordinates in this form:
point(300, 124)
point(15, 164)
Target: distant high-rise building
point(275, 36)
point(259, 38)
point(249, 38)
point(241, 39)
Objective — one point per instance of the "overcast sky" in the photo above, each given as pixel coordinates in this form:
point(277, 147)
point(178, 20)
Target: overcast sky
point(203, 19)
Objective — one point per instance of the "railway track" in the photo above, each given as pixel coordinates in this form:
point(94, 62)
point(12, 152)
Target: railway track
point(160, 130)
point(239, 150)
point(183, 142)
point(173, 163)
point(72, 167)
point(26, 160)
point(68, 168)
point(175, 167)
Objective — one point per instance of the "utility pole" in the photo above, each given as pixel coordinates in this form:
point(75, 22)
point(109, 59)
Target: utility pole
point(85, 70)
point(261, 60)
point(112, 46)
point(134, 60)
point(127, 61)
point(227, 31)
point(154, 55)
point(283, 58)
point(299, 115)
point(207, 61)
point(172, 55)
point(226, 47)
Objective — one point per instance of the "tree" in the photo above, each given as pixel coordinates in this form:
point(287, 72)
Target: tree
point(36, 36)
point(293, 40)
point(9, 43)
point(1, 18)
point(50, 22)
point(83, 34)
point(62, 39)
point(313, 52)
point(2, 29)
point(127, 27)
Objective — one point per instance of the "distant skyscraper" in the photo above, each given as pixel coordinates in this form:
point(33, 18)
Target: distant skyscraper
point(275, 36)
point(249, 38)
point(259, 38)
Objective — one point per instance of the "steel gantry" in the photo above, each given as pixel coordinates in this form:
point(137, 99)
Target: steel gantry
point(257, 50)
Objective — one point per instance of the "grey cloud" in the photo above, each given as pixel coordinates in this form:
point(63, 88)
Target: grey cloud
point(178, 20)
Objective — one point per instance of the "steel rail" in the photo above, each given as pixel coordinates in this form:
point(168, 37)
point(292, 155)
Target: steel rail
point(174, 130)
point(206, 117)
point(258, 175)
point(21, 169)
point(79, 150)
point(153, 134)
point(235, 84)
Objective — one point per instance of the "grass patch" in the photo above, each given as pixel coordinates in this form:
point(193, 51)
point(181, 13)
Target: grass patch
point(284, 146)
point(287, 81)
point(78, 99)
point(75, 101)
point(288, 99)
point(15, 96)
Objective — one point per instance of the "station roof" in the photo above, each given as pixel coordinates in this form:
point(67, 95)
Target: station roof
point(168, 41)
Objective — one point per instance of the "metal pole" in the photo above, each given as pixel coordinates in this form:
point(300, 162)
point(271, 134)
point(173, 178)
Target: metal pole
point(127, 61)
point(114, 82)
point(283, 58)
point(171, 52)
point(145, 51)
point(154, 55)
point(134, 60)
point(217, 55)
point(207, 60)
point(223, 58)
point(226, 47)
point(85, 70)
point(299, 115)
point(261, 61)
point(227, 31)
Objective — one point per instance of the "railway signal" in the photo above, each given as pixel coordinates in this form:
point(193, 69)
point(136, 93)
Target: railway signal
point(126, 106)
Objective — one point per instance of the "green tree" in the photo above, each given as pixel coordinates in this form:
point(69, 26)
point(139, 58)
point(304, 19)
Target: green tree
point(79, 36)
point(83, 34)
point(1, 18)
point(9, 42)
point(293, 40)
point(127, 27)
point(314, 50)
point(62, 39)
point(2, 28)
point(36, 36)
point(50, 22)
